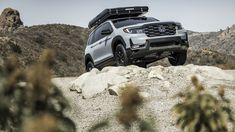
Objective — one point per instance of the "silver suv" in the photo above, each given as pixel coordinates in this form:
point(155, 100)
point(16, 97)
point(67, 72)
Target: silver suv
point(123, 36)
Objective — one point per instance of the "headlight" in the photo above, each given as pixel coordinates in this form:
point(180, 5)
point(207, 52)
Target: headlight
point(179, 26)
point(133, 30)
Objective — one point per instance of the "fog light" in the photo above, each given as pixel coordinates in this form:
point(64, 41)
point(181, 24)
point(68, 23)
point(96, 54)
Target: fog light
point(135, 46)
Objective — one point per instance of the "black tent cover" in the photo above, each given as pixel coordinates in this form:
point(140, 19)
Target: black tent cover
point(115, 13)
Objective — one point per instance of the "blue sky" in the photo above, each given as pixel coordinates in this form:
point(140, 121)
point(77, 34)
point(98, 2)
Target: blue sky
point(197, 15)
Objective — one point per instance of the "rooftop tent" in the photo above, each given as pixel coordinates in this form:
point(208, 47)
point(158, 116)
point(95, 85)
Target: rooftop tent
point(115, 13)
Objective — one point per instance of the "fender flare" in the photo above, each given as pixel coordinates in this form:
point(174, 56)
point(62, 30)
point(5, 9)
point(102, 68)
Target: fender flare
point(88, 57)
point(115, 40)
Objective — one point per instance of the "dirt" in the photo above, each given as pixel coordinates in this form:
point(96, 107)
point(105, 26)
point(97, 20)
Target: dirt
point(87, 112)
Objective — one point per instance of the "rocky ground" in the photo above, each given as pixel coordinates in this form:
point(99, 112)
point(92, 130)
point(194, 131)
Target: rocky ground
point(92, 101)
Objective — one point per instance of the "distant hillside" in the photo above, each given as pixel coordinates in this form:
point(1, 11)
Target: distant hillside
point(68, 42)
point(205, 57)
point(28, 43)
point(222, 41)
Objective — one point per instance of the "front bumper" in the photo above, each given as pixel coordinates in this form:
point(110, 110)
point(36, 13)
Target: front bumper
point(158, 45)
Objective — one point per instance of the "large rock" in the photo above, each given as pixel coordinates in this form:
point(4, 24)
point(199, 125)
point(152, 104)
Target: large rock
point(10, 20)
point(114, 79)
point(78, 84)
point(157, 85)
point(95, 82)
point(128, 71)
point(117, 89)
point(156, 74)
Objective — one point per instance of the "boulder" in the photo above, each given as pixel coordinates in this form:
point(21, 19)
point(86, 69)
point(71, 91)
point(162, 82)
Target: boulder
point(92, 83)
point(117, 89)
point(144, 95)
point(10, 20)
point(77, 84)
point(96, 84)
point(116, 70)
point(125, 71)
point(155, 74)
point(114, 79)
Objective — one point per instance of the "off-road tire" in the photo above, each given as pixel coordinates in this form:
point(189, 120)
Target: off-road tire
point(178, 58)
point(121, 56)
point(89, 66)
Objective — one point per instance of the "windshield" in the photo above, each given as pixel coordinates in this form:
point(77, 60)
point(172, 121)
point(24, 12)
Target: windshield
point(132, 21)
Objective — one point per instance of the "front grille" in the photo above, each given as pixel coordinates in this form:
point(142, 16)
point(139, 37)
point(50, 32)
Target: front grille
point(154, 30)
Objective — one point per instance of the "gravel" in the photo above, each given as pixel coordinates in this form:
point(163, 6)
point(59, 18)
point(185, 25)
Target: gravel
point(87, 112)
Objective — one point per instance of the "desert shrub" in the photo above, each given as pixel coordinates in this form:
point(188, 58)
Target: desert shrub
point(39, 39)
point(128, 114)
point(201, 111)
point(29, 100)
point(14, 47)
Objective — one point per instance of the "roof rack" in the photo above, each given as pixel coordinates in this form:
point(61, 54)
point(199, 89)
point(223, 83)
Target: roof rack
point(115, 13)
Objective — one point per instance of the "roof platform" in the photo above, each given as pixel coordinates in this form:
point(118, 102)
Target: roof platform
point(114, 13)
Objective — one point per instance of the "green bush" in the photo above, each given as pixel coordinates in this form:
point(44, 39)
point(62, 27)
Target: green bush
point(29, 100)
point(201, 111)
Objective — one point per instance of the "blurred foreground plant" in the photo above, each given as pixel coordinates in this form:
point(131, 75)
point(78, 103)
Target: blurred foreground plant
point(131, 100)
point(29, 100)
point(201, 111)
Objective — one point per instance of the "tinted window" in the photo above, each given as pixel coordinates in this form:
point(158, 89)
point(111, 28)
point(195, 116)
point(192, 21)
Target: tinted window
point(98, 34)
point(91, 39)
point(98, 31)
point(131, 21)
point(107, 26)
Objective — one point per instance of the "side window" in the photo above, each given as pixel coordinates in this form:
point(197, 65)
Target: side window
point(98, 31)
point(91, 39)
point(107, 26)
point(98, 35)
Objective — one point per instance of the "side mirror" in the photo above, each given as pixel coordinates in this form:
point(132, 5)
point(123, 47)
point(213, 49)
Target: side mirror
point(106, 32)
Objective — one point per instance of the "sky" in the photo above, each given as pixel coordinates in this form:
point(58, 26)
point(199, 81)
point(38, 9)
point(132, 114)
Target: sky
point(196, 15)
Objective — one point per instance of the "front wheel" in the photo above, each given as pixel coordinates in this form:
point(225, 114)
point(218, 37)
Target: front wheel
point(121, 55)
point(178, 58)
point(89, 66)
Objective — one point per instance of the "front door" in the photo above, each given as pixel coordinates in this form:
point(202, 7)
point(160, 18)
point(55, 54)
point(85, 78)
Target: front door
point(100, 46)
